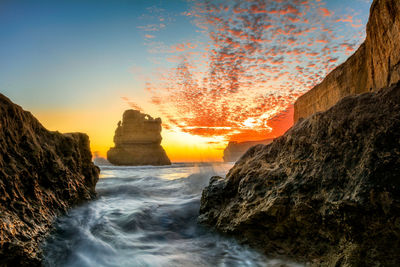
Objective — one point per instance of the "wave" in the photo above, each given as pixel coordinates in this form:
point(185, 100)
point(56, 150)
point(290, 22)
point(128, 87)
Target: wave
point(142, 217)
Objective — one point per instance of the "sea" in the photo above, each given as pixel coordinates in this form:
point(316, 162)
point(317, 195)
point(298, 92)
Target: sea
point(147, 216)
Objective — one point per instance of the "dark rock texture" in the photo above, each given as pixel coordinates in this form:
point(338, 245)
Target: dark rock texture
point(326, 192)
point(138, 141)
point(234, 150)
point(42, 174)
point(375, 65)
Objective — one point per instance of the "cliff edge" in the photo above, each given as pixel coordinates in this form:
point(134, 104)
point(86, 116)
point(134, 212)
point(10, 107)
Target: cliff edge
point(327, 192)
point(42, 174)
point(138, 141)
point(375, 65)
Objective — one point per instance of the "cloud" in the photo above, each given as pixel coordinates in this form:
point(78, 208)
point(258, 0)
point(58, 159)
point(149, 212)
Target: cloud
point(325, 12)
point(131, 104)
point(259, 56)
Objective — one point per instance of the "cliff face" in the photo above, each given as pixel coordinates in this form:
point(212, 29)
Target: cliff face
point(235, 150)
point(327, 192)
point(137, 141)
point(42, 174)
point(375, 65)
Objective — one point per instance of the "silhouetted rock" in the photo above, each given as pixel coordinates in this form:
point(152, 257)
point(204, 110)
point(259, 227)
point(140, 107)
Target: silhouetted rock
point(234, 150)
point(42, 174)
point(375, 65)
point(137, 141)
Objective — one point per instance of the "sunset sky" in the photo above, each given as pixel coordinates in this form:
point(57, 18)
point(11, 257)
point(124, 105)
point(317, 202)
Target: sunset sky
point(214, 71)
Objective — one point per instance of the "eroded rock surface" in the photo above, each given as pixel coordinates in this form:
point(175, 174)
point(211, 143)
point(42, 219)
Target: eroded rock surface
point(327, 192)
point(234, 150)
point(138, 141)
point(375, 65)
point(42, 174)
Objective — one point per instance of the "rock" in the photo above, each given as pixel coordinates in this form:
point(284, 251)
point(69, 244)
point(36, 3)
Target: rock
point(137, 141)
point(235, 150)
point(327, 192)
point(100, 161)
point(375, 65)
point(42, 174)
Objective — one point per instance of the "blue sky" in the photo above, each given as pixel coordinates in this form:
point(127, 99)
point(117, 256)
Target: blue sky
point(214, 70)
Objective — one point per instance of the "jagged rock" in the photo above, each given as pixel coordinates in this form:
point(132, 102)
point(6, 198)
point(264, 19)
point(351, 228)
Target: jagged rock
point(234, 150)
point(137, 141)
point(42, 174)
point(375, 65)
point(327, 192)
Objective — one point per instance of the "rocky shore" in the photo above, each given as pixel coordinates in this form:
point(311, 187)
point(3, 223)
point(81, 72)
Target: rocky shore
point(327, 192)
point(42, 175)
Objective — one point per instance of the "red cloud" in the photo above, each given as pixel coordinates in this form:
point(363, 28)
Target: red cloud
point(325, 12)
point(261, 56)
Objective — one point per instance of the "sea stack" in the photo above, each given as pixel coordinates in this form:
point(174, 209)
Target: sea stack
point(138, 141)
point(234, 150)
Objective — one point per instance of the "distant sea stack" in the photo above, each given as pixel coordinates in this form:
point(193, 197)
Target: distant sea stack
point(234, 150)
point(375, 65)
point(42, 174)
point(138, 141)
point(327, 192)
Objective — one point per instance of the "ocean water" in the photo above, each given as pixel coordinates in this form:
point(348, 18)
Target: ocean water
point(147, 216)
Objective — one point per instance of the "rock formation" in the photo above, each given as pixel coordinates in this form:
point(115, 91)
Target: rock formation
point(375, 65)
point(235, 150)
point(137, 141)
point(42, 174)
point(327, 192)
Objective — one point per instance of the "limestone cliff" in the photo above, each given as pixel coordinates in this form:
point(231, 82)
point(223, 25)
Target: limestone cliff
point(42, 174)
point(234, 150)
point(327, 192)
point(376, 64)
point(138, 141)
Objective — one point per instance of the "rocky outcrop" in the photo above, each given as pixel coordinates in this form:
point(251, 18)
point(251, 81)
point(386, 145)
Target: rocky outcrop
point(327, 192)
point(234, 150)
point(138, 141)
point(42, 174)
point(375, 65)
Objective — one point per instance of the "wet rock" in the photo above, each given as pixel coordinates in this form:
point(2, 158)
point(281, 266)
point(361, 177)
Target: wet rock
point(375, 65)
point(42, 174)
point(327, 192)
point(138, 141)
point(234, 150)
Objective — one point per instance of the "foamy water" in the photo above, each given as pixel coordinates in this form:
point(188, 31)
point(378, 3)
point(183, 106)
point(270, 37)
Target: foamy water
point(147, 216)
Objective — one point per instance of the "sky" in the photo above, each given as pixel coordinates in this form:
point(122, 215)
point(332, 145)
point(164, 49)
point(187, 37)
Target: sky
point(214, 71)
